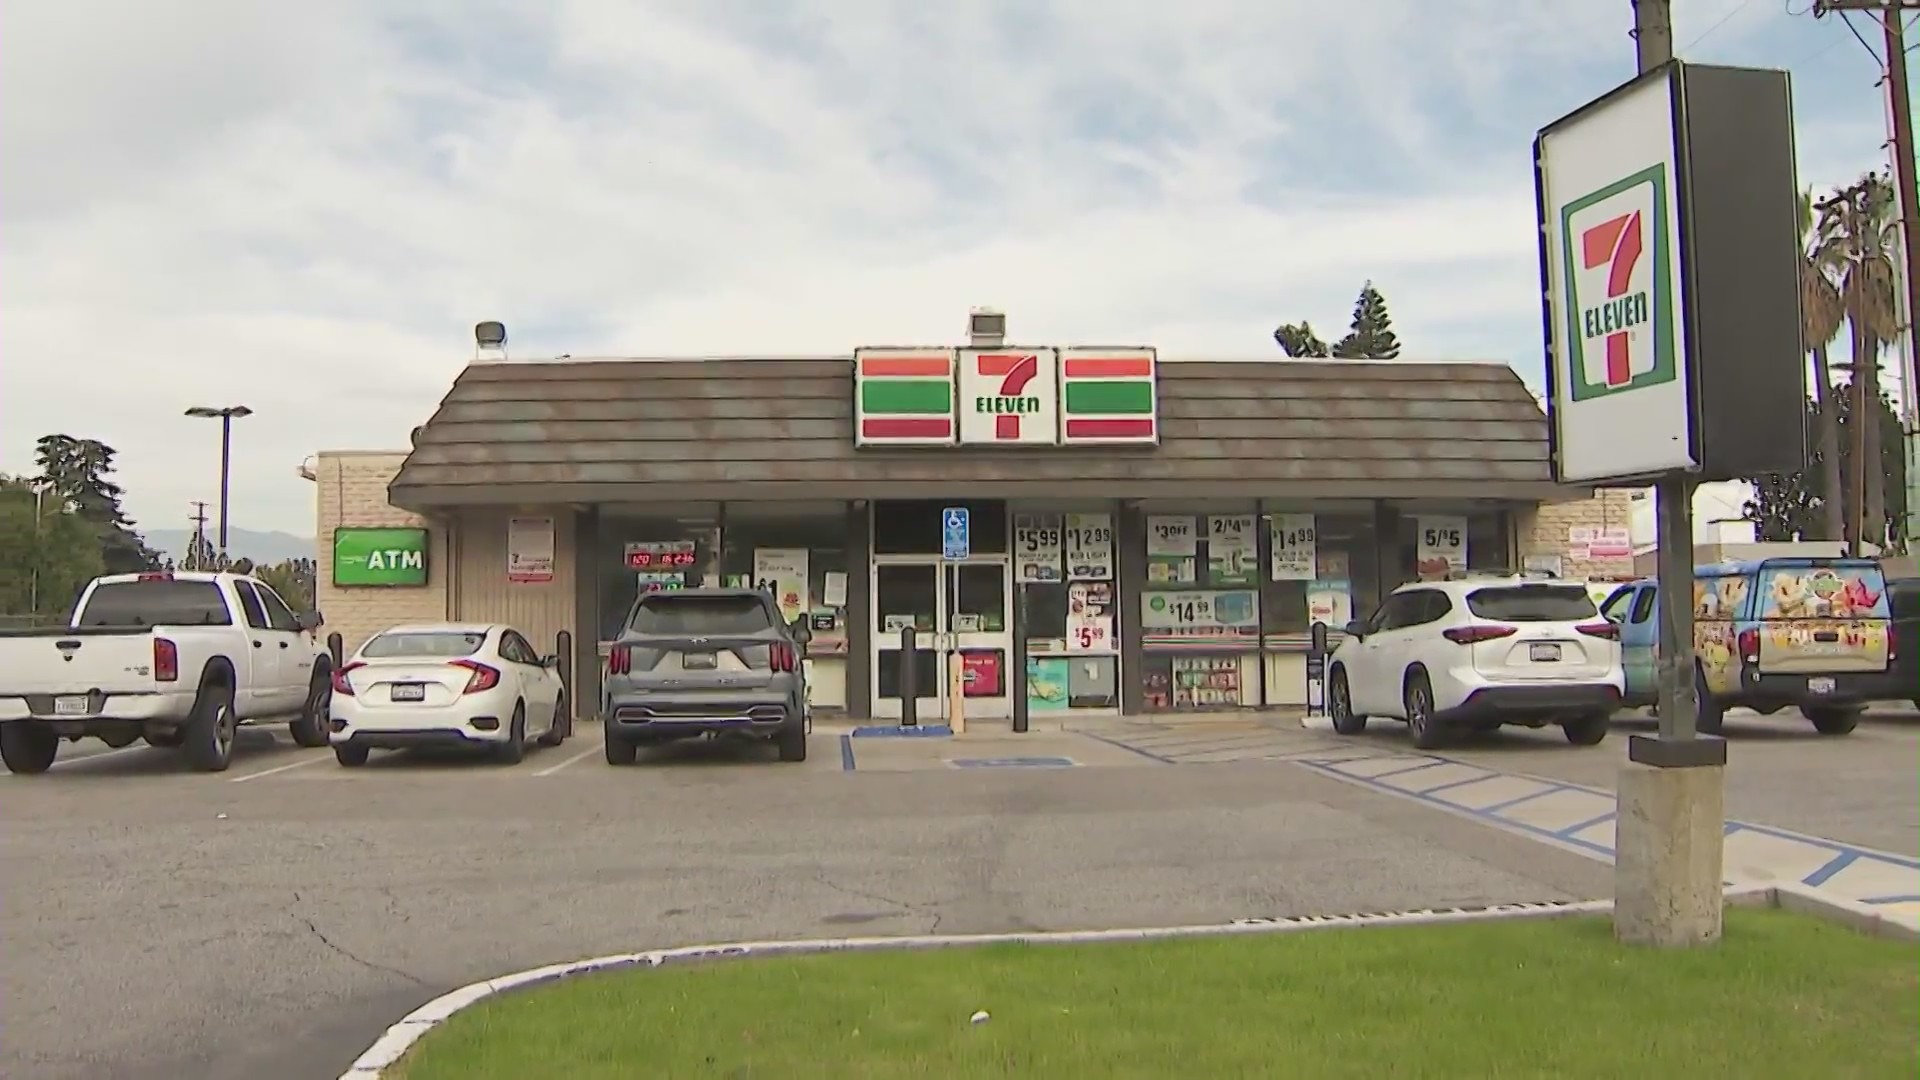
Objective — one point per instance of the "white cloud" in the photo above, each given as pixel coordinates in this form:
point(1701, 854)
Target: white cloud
point(303, 208)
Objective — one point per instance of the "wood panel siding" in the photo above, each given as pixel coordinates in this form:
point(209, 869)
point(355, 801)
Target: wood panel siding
point(629, 431)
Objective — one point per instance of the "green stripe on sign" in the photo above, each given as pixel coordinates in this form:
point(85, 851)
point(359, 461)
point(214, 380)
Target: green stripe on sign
point(882, 396)
point(1109, 398)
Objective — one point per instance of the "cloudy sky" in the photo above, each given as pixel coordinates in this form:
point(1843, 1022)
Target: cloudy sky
point(304, 207)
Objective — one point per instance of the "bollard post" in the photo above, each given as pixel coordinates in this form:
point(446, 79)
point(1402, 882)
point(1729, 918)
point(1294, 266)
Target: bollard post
point(1317, 670)
point(336, 648)
point(563, 665)
point(909, 692)
point(956, 693)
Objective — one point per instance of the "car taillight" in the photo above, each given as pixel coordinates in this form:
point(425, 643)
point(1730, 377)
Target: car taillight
point(1473, 635)
point(155, 576)
point(340, 683)
point(620, 660)
point(166, 661)
point(483, 677)
point(781, 658)
point(1749, 642)
point(1600, 630)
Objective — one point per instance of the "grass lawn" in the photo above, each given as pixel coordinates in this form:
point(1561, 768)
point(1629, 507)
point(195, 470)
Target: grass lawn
point(1783, 996)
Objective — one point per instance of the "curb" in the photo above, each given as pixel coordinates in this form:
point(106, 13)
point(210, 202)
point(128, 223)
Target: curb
point(401, 1036)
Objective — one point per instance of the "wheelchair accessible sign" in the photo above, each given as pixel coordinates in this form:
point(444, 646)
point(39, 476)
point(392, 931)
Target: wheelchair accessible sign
point(956, 534)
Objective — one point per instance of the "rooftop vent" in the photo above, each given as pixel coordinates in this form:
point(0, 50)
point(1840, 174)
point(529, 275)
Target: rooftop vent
point(489, 341)
point(986, 328)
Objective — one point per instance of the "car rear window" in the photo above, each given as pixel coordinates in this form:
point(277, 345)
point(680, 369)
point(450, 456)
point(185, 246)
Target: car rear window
point(156, 603)
point(1533, 603)
point(700, 616)
point(1820, 591)
point(433, 644)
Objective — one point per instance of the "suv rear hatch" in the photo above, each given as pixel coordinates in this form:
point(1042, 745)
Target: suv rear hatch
point(686, 642)
point(1822, 617)
point(1538, 631)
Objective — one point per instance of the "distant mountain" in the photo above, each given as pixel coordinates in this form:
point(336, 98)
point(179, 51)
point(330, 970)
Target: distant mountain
point(261, 547)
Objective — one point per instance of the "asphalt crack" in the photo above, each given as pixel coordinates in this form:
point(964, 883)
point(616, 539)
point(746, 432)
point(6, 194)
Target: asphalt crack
point(929, 910)
point(334, 946)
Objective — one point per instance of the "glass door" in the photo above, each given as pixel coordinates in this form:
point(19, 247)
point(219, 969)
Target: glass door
point(979, 629)
point(909, 593)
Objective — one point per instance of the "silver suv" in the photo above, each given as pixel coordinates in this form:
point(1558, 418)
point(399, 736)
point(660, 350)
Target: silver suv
point(705, 662)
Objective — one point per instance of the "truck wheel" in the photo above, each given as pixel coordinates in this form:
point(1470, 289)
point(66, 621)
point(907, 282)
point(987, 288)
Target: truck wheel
point(27, 748)
point(793, 741)
point(309, 729)
point(1711, 717)
point(514, 749)
point(209, 732)
point(1832, 721)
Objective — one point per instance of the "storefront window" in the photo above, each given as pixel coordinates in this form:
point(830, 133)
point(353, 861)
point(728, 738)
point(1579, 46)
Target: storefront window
point(1433, 544)
point(1200, 609)
point(639, 554)
point(1319, 567)
point(802, 561)
point(912, 526)
point(1064, 570)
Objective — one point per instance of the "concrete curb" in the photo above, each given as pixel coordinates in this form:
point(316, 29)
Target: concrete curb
point(401, 1037)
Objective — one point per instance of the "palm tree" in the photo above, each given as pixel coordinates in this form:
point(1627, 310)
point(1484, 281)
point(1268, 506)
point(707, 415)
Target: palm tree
point(1866, 232)
point(1821, 316)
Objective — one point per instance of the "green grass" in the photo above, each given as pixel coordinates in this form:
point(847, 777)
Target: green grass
point(1783, 996)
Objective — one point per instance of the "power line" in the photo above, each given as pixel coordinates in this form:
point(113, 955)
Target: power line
point(1724, 19)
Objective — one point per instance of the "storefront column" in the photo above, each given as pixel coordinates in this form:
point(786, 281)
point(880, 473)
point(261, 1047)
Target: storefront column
point(1386, 557)
point(859, 610)
point(586, 612)
point(1130, 578)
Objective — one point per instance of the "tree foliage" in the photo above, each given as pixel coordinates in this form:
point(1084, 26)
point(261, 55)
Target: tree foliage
point(1797, 506)
point(292, 579)
point(77, 471)
point(1370, 335)
point(1300, 342)
point(48, 552)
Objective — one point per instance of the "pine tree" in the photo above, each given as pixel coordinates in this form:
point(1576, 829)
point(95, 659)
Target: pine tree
point(1371, 335)
point(77, 469)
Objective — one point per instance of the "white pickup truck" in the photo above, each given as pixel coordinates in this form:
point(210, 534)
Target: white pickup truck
point(179, 659)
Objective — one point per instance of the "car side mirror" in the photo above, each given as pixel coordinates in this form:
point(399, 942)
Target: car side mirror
point(1356, 629)
point(802, 632)
point(551, 660)
point(309, 620)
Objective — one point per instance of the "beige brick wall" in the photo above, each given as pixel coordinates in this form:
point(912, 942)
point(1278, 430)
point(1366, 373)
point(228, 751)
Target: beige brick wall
point(1544, 531)
point(352, 490)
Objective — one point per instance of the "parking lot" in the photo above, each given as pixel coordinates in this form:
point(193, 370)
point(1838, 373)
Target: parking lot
point(271, 920)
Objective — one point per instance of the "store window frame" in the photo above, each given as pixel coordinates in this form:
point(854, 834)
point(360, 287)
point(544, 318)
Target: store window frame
point(1073, 683)
point(1169, 667)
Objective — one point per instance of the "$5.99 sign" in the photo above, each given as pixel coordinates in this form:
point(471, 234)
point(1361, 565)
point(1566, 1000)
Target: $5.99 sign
point(1089, 637)
point(1037, 547)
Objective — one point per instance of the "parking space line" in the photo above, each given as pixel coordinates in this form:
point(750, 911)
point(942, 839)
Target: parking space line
point(101, 755)
point(1838, 863)
point(551, 769)
point(310, 759)
point(846, 753)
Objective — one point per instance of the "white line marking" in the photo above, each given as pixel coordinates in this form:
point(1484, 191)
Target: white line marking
point(313, 759)
point(551, 769)
point(101, 755)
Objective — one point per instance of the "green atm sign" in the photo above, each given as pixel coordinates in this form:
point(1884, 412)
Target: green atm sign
point(379, 556)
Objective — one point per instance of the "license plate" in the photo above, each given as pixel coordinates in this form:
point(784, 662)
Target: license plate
point(699, 661)
point(409, 692)
point(1544, 654)
point(1819, 686)
point(73, 705)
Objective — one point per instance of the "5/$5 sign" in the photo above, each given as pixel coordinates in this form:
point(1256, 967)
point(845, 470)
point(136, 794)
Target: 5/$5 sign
point(379, 556)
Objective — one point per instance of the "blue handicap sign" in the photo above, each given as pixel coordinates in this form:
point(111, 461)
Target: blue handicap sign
point(956, 539)
point(1013, 763)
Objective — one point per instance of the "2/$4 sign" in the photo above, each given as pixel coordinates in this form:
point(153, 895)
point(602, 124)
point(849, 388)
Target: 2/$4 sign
point(1080, 396)
point(379, 556)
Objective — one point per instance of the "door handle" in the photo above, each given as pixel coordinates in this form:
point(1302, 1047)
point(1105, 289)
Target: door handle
point(256, 644)
point(283, 644)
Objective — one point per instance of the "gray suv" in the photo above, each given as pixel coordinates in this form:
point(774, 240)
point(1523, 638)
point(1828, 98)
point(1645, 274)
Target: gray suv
point(705, 662)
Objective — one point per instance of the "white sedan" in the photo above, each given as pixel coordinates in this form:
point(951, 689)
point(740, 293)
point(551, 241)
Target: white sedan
point(447, 684)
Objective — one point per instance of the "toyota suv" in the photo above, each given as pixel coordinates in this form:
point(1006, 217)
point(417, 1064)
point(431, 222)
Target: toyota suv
point(696, 662)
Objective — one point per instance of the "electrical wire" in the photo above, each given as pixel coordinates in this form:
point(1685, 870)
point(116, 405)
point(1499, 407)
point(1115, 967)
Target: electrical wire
point(1845, 18)
point(1724, 19)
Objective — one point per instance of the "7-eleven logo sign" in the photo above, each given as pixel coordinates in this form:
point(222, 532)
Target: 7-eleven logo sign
point(1010, 397)
point(1619, 318)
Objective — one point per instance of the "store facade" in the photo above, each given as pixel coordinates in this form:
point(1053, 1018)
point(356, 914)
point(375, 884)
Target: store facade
point(1139, 534)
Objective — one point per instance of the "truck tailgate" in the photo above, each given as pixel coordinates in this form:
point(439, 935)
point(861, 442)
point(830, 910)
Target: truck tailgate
point(76, 663)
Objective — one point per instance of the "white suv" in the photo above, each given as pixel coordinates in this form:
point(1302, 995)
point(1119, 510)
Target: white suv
point(1478, 652)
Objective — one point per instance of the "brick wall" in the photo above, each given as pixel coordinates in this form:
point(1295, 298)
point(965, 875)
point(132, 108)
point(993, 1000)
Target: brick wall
point(352, 490)
point(1544, 531)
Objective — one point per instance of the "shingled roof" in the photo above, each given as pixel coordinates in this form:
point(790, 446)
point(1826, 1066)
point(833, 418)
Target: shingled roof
point(744, 429)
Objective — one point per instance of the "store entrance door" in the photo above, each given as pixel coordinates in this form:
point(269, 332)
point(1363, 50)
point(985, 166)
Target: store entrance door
point(954, 607)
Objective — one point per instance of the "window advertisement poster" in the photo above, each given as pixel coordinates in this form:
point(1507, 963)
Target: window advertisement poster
point(783, 572)
point(379, 557)
point(1233, 550)
point(1038, 548)
point(1200, 615)
point(1442, 545)
point(1295, 555)
point(1090, 617)
point(530, 550)
point(1171, 547)
point(1047, 684)
point(1089, 542)
point(1330, 602)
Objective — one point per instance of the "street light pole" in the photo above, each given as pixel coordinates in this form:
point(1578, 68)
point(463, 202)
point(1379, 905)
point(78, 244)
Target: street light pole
point(226, 416)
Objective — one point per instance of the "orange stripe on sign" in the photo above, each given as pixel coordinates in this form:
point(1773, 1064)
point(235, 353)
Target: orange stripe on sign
point(995, 365)
point(1108, 367)
point(880, 366)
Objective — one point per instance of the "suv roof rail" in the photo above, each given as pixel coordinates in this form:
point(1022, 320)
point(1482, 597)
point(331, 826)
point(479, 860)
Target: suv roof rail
point(1478, 573)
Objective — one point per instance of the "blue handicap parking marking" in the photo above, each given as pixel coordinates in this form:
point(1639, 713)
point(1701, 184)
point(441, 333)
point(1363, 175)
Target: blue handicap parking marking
point(1013, 763)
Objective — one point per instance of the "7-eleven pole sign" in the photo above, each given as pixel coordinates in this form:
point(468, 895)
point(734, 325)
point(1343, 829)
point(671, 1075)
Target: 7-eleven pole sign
point(1009, 397)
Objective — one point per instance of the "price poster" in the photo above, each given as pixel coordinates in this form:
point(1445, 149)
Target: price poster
point(1330, 602)
point(1038, 547)
point(530, 550)
point(1295, 554)
point(1171, 547)
point(1232, 613)
point(1442, 545)
point(1233, 550)
point(1089, 617)
point(1089, 547)
point(782, 572)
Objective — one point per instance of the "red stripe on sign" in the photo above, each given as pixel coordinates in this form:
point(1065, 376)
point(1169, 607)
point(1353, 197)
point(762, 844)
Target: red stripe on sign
point(1108, 367)
point(1110, 429)
point(906, 427)
point(904, 365)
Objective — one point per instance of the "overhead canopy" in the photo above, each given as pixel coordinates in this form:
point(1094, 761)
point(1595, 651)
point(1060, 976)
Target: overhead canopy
point(748, 429)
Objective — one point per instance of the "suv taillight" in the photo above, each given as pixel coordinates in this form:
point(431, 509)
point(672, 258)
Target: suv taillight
point(166, 661)
point(1473, 635)
point(483, 677)
point(620, 660)
point(340, 684)
point(1749, 643)
point(781, 658)
point(1600, 630)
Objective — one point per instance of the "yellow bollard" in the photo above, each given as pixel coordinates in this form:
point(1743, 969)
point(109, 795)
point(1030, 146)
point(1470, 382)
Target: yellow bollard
point(956, 693)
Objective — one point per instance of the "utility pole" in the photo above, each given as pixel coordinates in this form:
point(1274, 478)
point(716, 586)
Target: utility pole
point(199, 519)
point(1851, 202)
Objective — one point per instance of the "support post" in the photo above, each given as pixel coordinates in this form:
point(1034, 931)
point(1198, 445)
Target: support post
point(1907, 189)
point(1669, 827)
point(563, 666)
point(956, 693)
point(336, 648)
point(909, 690)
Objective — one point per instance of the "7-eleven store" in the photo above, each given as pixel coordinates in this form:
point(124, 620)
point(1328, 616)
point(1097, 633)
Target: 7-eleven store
point(1089, 529)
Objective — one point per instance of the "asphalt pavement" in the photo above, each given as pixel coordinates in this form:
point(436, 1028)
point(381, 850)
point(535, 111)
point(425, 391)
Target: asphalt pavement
point(272, 920)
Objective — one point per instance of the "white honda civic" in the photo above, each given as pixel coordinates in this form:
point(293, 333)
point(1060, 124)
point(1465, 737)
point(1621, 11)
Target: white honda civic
point(447, 684)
